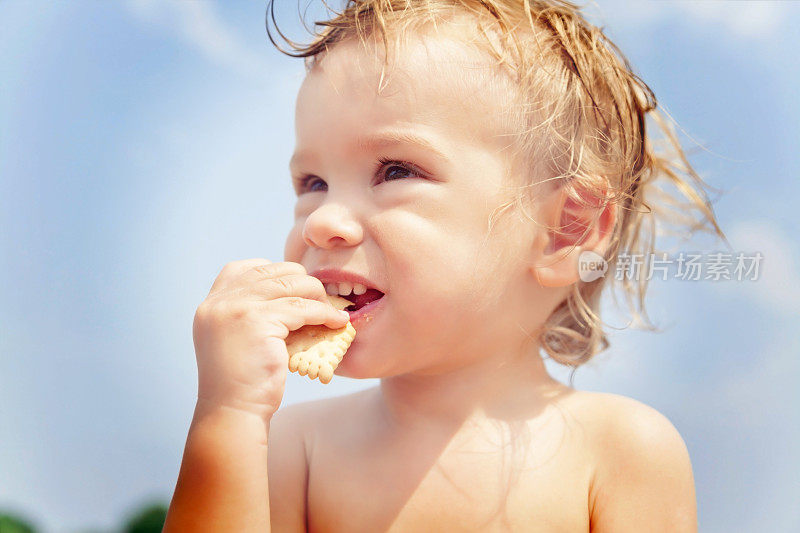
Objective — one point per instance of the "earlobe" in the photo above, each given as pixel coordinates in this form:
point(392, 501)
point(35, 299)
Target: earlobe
point(558, 269)
point(572, 227)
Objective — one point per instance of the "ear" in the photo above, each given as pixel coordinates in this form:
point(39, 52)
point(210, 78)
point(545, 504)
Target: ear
point(572, 227)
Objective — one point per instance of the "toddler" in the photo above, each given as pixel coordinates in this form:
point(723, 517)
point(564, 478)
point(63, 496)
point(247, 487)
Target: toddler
point(454, 159)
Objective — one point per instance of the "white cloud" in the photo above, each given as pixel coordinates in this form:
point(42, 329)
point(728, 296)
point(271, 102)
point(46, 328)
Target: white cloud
point(778, 283)
point(200, 26)
point(740, 19)
point(743, 19)
point(767, 380)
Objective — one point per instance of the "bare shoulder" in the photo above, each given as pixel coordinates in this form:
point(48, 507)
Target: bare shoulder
point(614, 419)
point(316, 414)
point(327, 420)
point(293, 431)
point(624, 430)
point(287, 470)
point(642, 473)
point(292, 425)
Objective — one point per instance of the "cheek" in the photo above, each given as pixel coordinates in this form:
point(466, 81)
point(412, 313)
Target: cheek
point(295, 246)
point(461, 289)
point(443, 263)
point(438, 281)
point(442, 257)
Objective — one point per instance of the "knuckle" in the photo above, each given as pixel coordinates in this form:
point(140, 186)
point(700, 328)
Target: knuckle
point(297, 266)
point(237, 311)
point(296, 302)
point(201, 313)
point(218, 313)
point(207, 308)
point(282, 284)
point(274, 288)
point(264, 270)
point(205, 316)
point(225, 271)
point(273, 326)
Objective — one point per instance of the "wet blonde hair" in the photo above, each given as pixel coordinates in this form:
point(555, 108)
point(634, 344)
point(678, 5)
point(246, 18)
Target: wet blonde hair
point(574, 89)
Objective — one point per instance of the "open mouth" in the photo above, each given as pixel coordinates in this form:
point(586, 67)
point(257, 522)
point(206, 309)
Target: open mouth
point(360, 300)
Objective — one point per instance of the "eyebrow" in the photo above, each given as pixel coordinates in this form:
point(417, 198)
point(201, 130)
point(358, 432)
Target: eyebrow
point(385, 139)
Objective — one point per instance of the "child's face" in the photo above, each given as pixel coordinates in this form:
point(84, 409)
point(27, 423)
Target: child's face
point(454, 290)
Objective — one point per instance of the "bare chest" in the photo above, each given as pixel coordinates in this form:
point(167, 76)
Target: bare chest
point(509, 480)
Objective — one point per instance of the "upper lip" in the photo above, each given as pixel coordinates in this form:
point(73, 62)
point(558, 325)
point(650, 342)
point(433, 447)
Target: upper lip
point(335, 275)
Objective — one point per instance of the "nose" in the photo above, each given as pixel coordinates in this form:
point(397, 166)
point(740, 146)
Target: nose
point(331, 225)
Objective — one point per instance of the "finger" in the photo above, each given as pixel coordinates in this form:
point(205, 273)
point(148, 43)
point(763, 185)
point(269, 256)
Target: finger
point(300, 285)
point(295, 313)
point(258, 273)
point(234, 269)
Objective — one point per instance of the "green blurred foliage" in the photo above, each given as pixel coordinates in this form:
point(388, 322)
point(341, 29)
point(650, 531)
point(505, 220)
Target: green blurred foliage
point(149, 519)
point(10, 523)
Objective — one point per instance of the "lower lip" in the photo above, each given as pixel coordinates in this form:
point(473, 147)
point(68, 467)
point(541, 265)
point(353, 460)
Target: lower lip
point(363, 316)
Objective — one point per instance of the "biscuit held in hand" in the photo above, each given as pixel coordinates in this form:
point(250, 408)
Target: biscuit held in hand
point(316, 350)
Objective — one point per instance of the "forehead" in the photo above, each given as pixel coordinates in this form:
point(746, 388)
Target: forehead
point(435, 80)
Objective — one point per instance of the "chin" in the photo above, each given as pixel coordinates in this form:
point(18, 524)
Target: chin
point(355, 366)
point(355, 374)
point(358, 364)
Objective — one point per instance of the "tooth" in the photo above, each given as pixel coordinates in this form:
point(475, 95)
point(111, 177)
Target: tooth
point(345, 288)
point(359, 288)
point(331, 288)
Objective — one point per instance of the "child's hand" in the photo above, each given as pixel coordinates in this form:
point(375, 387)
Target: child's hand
point(239, 332)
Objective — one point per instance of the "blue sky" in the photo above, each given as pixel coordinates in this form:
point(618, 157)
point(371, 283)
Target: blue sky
point(143, 145)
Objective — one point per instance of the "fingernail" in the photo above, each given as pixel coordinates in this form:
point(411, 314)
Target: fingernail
point(345, 314)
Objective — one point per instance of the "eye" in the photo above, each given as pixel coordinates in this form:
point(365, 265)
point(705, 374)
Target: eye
point(307, 183)
point(397, 169)
point(392, 170)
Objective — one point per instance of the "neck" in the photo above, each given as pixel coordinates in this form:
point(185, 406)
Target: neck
point(494, 387)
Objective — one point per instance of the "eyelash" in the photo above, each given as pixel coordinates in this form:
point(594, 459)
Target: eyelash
point(303, 183)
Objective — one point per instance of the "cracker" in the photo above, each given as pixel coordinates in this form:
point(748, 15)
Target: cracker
point(316, 350)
